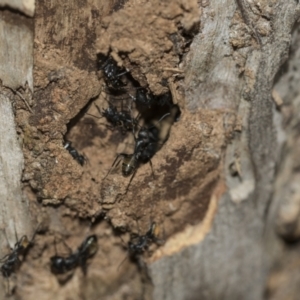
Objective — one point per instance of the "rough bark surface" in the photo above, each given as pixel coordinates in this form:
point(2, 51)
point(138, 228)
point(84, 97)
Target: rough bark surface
point(16, 62)
point(224, 194)
point(236, 74)
point(23, 6)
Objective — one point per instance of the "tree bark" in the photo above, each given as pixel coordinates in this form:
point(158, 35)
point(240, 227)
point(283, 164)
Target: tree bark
point(16, 60)
point(225, 188)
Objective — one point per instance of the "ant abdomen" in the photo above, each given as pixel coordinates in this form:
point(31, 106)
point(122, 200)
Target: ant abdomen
point(129, 165)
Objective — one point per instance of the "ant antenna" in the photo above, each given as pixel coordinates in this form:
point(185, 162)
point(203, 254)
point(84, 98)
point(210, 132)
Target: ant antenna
point(163, 117)
point(121, 74)
point(150, 162)
point(99, 110)
point(123, 242)
point(8, 288)
point(130, 180)
point(16, 235)
point(55, 246)
point(7, 240)
point(126, 257)
point(35, 232)
point(123, 260)
point(93, 116)
point(70, 250)
point(113, 165)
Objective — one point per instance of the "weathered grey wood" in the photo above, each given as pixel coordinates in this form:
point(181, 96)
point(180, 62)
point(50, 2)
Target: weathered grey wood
point(16, 55)
point(24, 6)
point(14, 209)
point(16, 63)
point(233, 260)
point(228, 255)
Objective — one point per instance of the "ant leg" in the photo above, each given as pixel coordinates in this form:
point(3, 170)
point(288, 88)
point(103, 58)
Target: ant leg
point(16, 235)
point(135, 124)
point(2, 259)
point(123, 242)
point(35, 232)
point(118, 155)
point(126, 257)
point(132, 97)
point(99, 111)
point(165, 115)
point(85, 159)
point(121, 74)
point(93, 116)
point(125, 245)
point(130, 180)
point(66, 245)
point(138, 117)
point(55, 246)
point(109, 127)
point(150, 162)
point(134, 235)
point(8, 288)
point(7, 240)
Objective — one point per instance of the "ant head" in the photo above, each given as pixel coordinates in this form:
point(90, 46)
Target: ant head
point(131, 246)
point(137, 245)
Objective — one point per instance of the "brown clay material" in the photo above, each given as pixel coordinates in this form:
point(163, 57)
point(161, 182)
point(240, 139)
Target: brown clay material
point(150, 39)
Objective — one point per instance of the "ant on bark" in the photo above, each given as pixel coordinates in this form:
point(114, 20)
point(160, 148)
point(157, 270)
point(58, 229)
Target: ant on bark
point(138, 244)
point(144, 98)
point(61, 265)
point(12, 262)
point(118, 119)
point(112, 74)
point(78, 157)
point(146, 145)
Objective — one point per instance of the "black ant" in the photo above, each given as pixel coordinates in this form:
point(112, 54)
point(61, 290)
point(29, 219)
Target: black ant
point(146, 145)
point(118, 119)
point(61, 265)
point(11, 262)
point(147, 141)
point(138, 244)
point(78, 157)
point(112, 74)
point(145, 98)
